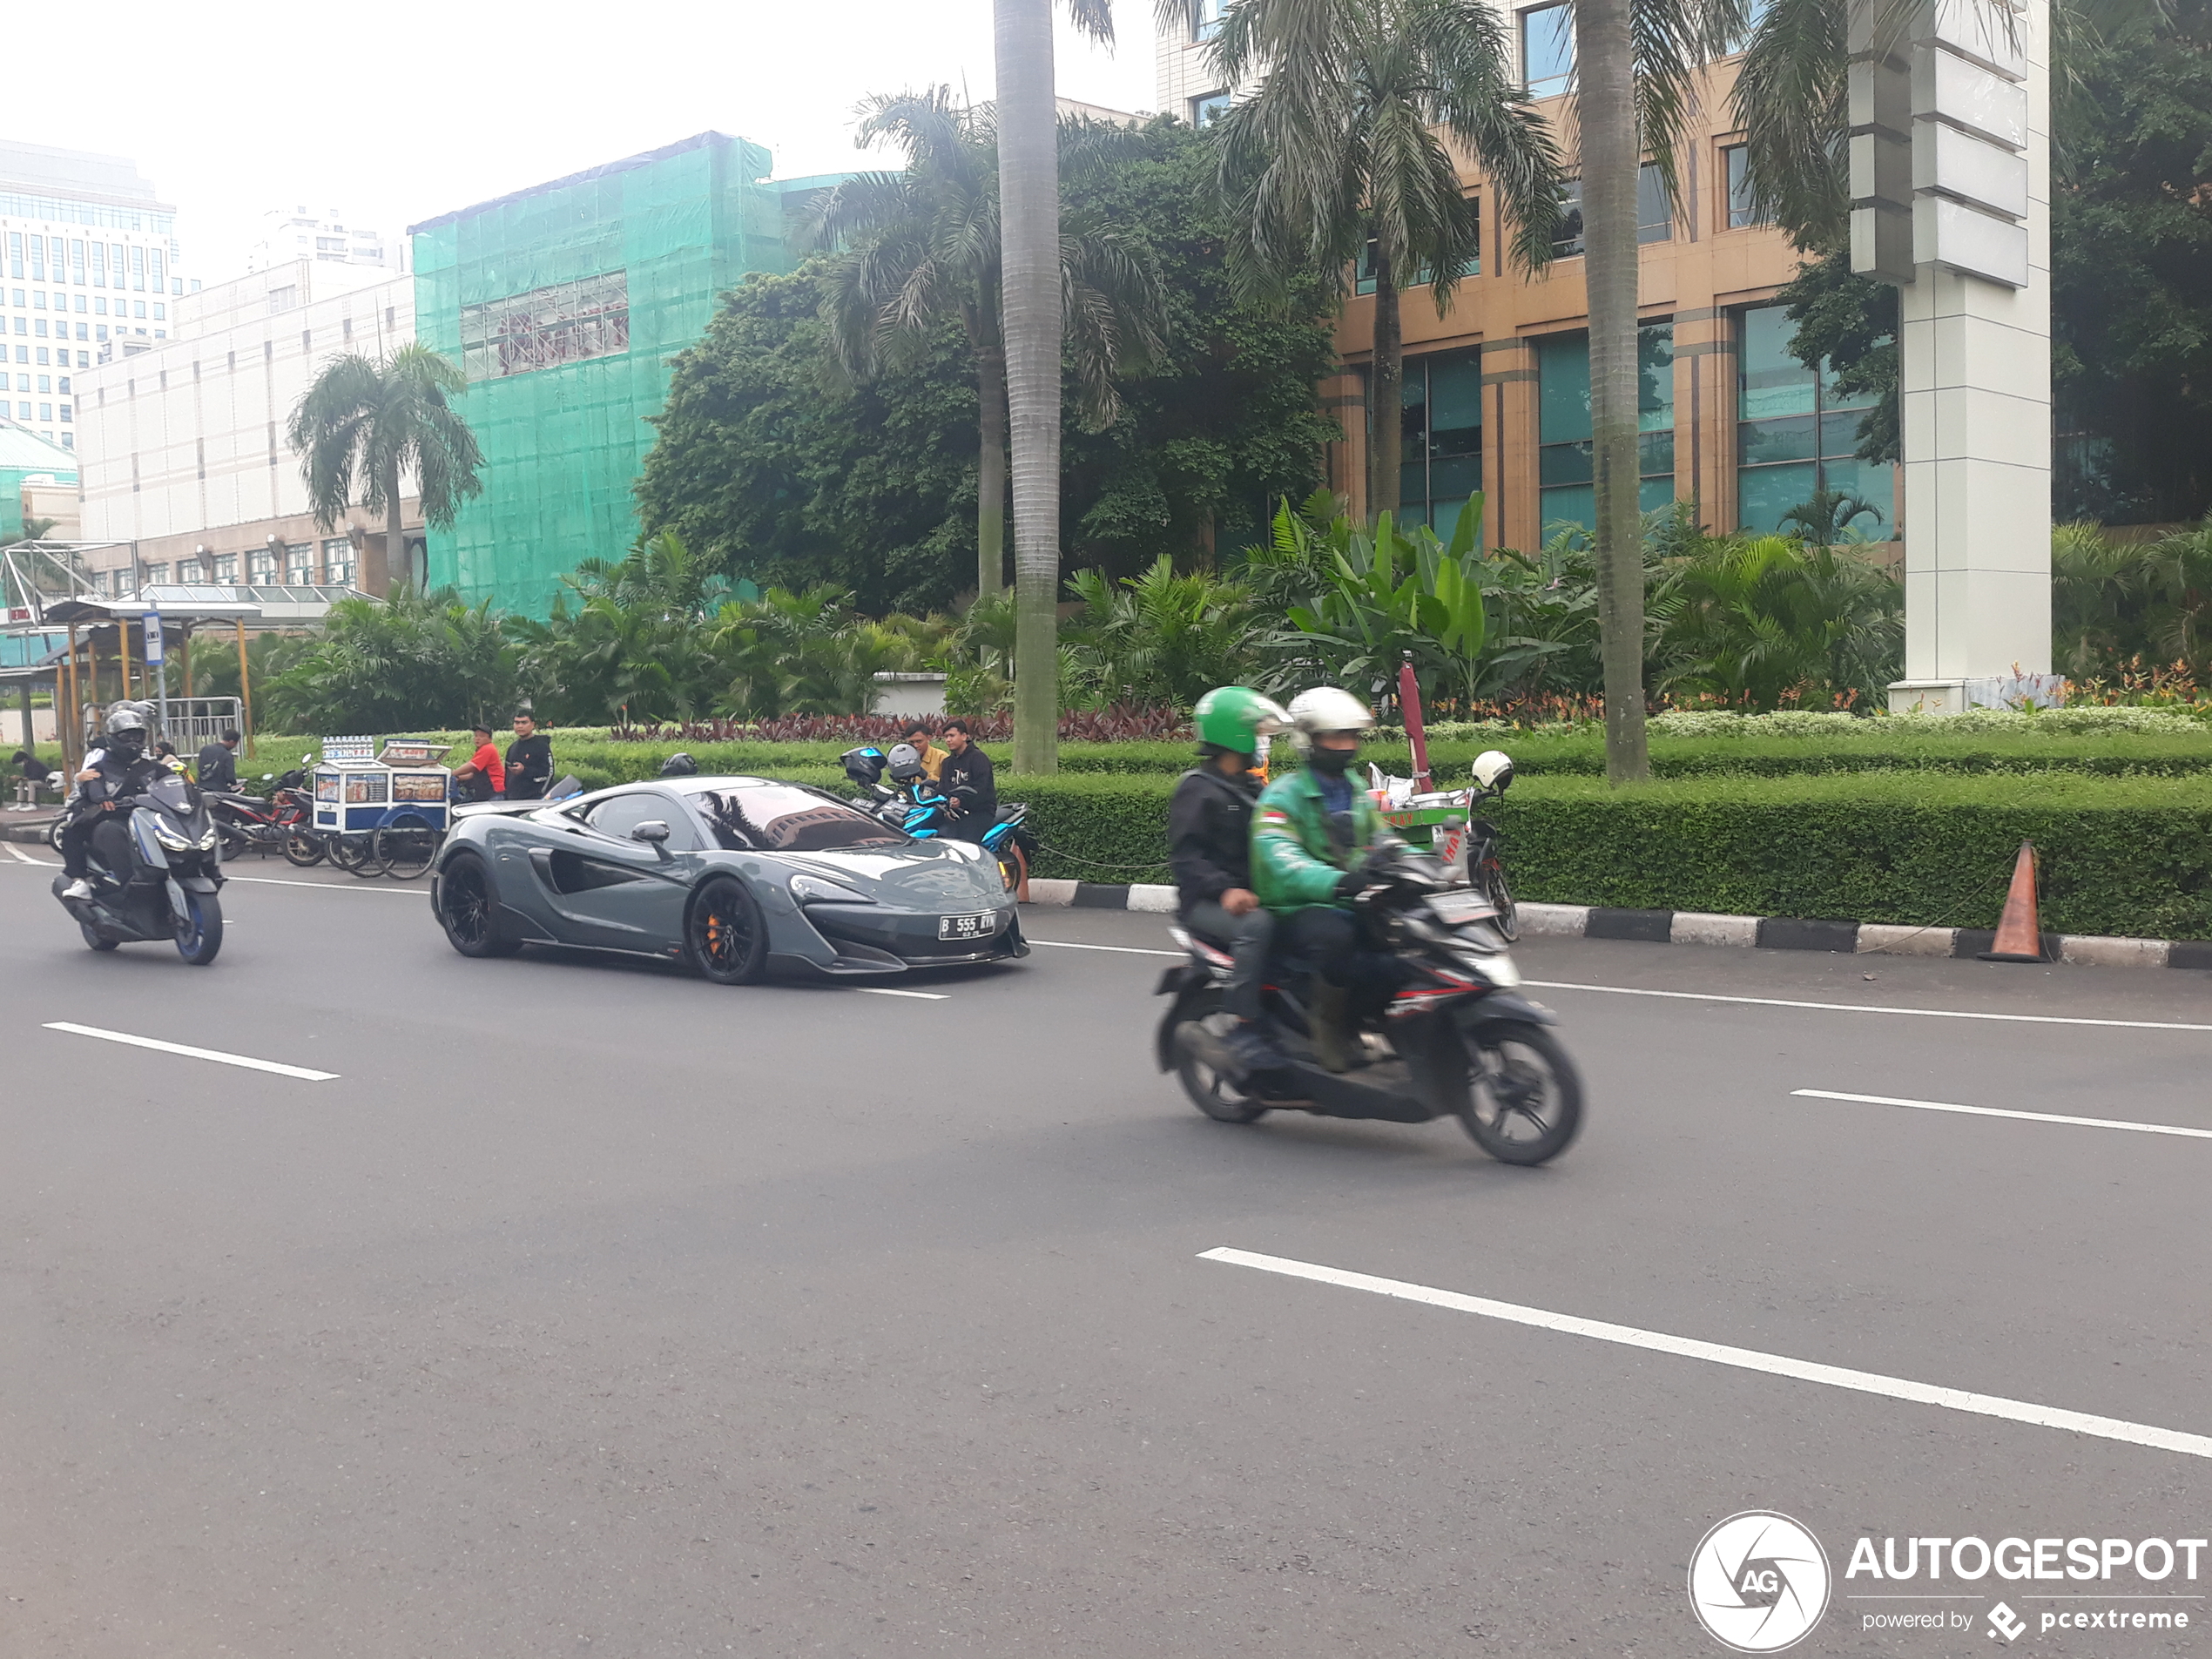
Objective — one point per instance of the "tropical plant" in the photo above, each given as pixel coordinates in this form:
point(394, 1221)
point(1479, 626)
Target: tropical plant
point(406, 660)
point(365, 422)
point(1157, 637)
point(921, 247)
point(1769, 618)
point(803, 653)
point(1343, 149)
point(1033, 297)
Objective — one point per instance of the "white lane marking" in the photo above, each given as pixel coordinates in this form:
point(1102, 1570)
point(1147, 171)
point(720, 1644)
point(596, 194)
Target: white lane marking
point(1856, 1008)
point(247, 1061)
point(885, 990)
point(330, 886)
point(1126, 950)
point(2000, 1111)
point(23, 857)
point(1775, 1364)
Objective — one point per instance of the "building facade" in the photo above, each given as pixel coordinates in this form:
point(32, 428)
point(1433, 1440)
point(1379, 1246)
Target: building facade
point(186, 472)
point(88, 256)
point(564, 304)
point(321, 234)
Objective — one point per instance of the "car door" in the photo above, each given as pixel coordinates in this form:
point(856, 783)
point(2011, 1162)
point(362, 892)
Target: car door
point(614, 892)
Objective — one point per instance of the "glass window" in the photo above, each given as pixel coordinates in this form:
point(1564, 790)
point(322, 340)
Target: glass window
point(1208, 108)
point(155, 573)
point(1567, 244)
point(300, 564)
point(1795, 433)
point(262, 567)
point(189, 570)
point(1743, 209)
point(1563, 461)
point(226, 568)
point(1205, 18)
point(66, 411)
point(161, 313)
point(616, 817)
point(1441, 464)
point(338, 562)
point(1363, 278)
point(1548, 49)
point(1655, 217)
point(138, 309)
point(787, 818)
point(45, 411)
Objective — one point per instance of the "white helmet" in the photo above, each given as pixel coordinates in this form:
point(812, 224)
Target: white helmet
point(1493, 770)
point(1327, 709)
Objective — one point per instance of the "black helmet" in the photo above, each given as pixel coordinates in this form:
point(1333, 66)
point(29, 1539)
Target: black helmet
point(680, 765)
point(906, 763)
point(864, 765)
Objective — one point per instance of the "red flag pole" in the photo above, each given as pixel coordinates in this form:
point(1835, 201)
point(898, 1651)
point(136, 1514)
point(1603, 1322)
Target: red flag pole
point(1409, 702)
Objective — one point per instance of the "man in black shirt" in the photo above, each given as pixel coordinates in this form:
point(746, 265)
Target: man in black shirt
point(1210, 841)
point(966, 776)
point(529, 761)
point(217, 766)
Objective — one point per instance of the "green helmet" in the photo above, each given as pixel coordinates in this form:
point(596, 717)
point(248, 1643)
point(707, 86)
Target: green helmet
point(1236, 718)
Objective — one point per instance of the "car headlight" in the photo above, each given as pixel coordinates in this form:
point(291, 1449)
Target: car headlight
point(175, 840)
point(812, 889)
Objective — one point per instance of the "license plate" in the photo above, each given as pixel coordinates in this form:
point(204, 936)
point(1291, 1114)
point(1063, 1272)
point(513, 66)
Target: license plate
point(1460, 907)
point(964, 926)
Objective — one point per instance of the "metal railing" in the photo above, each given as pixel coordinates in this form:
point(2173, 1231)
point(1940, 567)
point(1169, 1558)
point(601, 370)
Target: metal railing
point(195, 720)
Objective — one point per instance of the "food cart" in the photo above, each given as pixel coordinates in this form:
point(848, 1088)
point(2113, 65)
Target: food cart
point(360, 788)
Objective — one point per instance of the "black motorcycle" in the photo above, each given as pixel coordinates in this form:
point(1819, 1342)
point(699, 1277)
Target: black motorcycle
point(168, 889)
point(1456, 1038)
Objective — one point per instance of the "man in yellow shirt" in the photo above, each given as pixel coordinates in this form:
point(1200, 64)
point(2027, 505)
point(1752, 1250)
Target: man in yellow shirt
point(932, 758)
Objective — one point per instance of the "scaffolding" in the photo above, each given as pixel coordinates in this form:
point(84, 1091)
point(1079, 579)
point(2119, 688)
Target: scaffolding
point(564, 304)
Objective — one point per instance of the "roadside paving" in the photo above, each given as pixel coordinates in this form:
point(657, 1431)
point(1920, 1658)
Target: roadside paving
point(589, 1307)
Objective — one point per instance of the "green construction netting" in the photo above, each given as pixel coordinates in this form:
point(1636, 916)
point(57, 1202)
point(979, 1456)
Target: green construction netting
point(564, 304)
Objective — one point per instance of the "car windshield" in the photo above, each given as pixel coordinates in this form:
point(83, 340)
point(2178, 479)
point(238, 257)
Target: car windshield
point(785, 818)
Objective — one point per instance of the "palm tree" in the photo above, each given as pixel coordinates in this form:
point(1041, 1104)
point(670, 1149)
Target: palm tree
point(365, 421)
point(1029, 237)
point(923, 246)
point(1337, 151)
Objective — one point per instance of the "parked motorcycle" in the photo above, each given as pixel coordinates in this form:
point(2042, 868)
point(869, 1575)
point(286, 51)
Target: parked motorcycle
point(169, 888)
point(1467, 845)
point(919, 808)
point(1455, 1039)
point(248, 821)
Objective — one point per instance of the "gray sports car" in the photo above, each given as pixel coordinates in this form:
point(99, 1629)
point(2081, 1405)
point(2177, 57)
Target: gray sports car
point(734, 875)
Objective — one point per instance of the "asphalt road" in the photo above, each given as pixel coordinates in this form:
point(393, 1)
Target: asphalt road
point(591, 1309)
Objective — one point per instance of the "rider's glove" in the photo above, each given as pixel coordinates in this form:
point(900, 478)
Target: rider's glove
point(1351, 884)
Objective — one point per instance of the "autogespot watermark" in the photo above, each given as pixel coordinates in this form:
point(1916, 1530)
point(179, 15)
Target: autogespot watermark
point(1760, 1581)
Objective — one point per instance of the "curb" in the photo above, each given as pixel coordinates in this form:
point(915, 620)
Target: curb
point(1699, 928)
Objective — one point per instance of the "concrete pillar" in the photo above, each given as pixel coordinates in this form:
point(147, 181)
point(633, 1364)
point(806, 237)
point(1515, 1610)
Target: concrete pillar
point(1951, 192)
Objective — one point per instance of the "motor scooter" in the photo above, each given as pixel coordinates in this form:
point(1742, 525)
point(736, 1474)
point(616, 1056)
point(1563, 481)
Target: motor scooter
point(169, 886)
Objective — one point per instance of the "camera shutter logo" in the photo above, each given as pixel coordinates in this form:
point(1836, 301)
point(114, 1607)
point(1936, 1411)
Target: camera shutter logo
point(1758, 1582)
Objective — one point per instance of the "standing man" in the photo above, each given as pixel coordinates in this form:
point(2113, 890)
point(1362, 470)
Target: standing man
point(529, 760)
point(482, 777)
point(218, 765)
point(1210, 848)
point(965, 775)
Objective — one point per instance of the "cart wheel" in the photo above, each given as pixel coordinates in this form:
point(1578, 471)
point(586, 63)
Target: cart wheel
point(351, 852)
point(405, 851)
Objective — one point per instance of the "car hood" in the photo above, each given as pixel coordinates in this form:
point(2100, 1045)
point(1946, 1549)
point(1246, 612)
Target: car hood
point(925, 876)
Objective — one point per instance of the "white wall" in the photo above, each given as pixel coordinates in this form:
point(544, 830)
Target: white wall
point(190, 436)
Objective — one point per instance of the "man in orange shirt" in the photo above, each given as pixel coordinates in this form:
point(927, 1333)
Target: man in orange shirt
point(484, 776)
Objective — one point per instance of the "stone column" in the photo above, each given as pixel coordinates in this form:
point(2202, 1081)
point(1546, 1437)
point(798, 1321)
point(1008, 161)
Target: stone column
point(1951, 190)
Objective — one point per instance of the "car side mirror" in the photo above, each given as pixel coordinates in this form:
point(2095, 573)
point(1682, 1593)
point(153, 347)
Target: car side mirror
point(653, 831)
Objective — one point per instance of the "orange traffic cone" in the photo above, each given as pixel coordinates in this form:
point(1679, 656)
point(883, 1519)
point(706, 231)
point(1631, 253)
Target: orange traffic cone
point(2019, 939)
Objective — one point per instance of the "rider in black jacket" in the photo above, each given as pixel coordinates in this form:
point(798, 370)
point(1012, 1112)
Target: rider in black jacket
point(1210, 824)
point(112, 772)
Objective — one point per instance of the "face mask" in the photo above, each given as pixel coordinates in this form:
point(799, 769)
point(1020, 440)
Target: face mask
point(1333, 761)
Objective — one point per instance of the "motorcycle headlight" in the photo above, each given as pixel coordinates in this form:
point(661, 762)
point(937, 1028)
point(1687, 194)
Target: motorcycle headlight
point(207, 841)
point(175, 840)
point(811, 889)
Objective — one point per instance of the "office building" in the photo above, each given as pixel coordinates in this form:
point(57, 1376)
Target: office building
point(88, 255)
point(325, 235)
point(185, 466)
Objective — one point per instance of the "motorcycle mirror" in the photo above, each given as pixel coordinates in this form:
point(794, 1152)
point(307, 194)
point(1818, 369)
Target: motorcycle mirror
point(268, 777)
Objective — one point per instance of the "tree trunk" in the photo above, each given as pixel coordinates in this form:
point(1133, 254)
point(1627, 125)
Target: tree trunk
point(1605, 113)
point(1386, 395)
point(990, 472)
point(1029, 240)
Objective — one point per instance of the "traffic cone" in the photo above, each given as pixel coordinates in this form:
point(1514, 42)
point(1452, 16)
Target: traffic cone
point(2019, 939)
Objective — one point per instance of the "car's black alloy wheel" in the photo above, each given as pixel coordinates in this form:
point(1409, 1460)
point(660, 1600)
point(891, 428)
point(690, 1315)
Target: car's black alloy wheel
point(726, 933)
point(468, 911)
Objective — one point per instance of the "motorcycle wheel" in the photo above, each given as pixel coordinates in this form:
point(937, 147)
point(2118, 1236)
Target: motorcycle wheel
point(406, 852)
point(93, 937)
point(1524, 1096)
point(351, 854)
point(236, 841)
point(200, 936)
point(303, 848)
point(1490, 882)
point(1212, 1092)
point(54, 833)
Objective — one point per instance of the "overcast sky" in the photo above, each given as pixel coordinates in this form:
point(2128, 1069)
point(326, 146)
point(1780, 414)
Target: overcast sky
point(400, 110)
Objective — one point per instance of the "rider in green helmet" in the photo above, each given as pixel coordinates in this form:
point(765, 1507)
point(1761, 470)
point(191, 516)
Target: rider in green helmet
point(1209, 849)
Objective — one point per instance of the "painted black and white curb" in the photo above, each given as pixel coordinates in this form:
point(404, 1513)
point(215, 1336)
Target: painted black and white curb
point(1698, 927)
